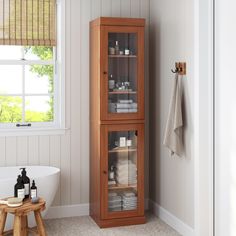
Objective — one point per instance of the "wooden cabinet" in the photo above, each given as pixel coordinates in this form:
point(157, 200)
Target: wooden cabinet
point(117, 121)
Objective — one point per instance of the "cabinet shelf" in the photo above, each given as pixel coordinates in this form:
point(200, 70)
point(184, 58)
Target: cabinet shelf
point(122, 56)
point(122, 187)
point(123, 92)
point(115, 150)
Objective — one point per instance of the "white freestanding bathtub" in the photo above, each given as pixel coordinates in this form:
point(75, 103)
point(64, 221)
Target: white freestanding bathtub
point(46, 179)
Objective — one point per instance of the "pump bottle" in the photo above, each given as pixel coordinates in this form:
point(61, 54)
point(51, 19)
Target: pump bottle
point(26, 182)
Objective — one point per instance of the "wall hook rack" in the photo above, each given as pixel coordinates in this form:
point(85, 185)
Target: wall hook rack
point(180, 68)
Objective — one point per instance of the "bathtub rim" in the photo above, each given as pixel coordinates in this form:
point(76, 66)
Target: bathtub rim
point(56, 171)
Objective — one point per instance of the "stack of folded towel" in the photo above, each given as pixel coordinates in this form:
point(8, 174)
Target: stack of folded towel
point(126, 172)
point(114, 202)
point(123, 106)
point(129, 200)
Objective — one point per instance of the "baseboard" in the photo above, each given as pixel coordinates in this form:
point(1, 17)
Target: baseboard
point(73, 210)
point(170, 219)
point(67, 211)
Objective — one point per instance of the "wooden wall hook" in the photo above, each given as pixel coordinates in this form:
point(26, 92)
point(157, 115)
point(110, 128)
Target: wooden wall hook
point(180, 68)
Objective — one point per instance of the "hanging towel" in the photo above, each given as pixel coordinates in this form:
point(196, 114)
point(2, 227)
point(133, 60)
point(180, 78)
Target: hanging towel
point(173, 133)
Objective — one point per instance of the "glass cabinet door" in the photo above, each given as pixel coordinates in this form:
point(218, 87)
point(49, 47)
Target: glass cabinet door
point(122, 170)
point(124, 74)
point(124, 158)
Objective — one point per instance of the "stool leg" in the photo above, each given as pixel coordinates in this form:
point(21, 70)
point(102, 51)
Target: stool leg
point(17, 226)
point(39, 221)
point(24, 226)
point(3, 217)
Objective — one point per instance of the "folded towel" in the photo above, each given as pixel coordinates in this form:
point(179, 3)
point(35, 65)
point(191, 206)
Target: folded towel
point(174, 126)
point(126, 178)
point(112, 194)
point(127, 202)
point(112, 107)
point(125, 166)
point(124, 161)
point(125, 101)
point(129, 177)
point(129, 198)
point(115, 198)
point(129, 205)
point(123, 110)
point(128, 194)
point(126, 105)
point(129, 208)
point(130, 173)
point(125, 169)
point(114, 206)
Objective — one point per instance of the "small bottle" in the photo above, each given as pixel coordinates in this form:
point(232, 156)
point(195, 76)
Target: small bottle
point(111, 82)
point(33, 190)
point(26, 182)
point(111, 173)
point(127, 52)
point(117, 50)
point(19, 188)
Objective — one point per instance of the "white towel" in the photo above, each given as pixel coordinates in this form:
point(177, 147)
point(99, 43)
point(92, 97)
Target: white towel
point(173, 133)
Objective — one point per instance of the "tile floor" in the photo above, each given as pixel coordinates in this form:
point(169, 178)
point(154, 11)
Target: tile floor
point(85, 226)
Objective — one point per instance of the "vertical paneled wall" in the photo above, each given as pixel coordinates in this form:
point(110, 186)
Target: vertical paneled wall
point(70, 152)
point(172, 40)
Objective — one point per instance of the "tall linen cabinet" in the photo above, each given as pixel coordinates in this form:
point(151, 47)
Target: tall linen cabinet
point(117, 121)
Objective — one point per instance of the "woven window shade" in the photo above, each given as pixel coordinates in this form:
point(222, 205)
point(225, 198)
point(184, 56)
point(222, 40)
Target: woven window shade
point(28, 22)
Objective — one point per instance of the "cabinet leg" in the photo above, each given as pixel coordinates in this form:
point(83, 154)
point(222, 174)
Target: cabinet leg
point(40, 225)
point(17, 226)
point(24, 226)
point(3, 217)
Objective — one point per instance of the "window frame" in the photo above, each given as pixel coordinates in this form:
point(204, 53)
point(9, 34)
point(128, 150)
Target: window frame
point(58, 125)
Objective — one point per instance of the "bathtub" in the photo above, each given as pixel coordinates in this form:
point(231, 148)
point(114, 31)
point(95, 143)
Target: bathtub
point(46, 179)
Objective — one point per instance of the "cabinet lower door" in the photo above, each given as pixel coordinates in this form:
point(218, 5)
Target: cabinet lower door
point(122, 166)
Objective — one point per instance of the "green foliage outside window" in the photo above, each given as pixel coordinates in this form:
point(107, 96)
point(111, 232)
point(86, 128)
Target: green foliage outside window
point(10, 109)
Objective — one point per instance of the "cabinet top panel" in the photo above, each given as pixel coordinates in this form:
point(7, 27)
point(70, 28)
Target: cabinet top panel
point(118, 21)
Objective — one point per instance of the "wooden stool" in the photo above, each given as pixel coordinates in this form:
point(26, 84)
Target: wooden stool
point(20, 218)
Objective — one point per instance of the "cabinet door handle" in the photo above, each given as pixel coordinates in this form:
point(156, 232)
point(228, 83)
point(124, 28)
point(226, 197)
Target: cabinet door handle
point(105, 73)
point(104, 172)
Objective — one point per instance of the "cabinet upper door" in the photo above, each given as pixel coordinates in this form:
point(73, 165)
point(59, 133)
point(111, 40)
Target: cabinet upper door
point(122, 73)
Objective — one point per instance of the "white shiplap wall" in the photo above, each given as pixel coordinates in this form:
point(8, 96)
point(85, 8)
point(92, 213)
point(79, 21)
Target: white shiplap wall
point(70, 152)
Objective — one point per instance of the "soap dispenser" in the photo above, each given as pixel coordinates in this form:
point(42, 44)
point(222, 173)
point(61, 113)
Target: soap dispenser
point(19, 188)
point(26, 182)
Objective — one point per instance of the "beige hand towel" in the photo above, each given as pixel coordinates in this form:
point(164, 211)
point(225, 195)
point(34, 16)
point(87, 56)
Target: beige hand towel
point(173, 133)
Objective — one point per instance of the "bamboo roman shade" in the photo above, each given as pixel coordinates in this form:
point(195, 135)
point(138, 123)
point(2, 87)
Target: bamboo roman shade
point(28, 22)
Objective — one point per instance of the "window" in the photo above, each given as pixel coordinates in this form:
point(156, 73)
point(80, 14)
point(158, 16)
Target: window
point(30, 65)
point(26, 84)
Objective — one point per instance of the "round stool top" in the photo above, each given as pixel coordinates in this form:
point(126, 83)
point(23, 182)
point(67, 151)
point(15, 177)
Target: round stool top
point(25, 208)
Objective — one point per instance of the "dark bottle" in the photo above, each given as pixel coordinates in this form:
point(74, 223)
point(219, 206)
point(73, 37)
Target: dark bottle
point(33, 190)
point(19, 188)
point(26, 182)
